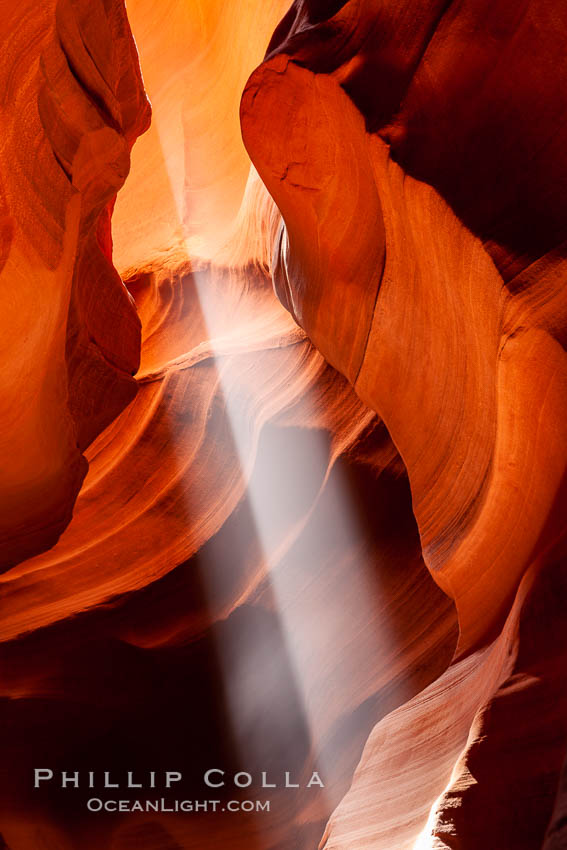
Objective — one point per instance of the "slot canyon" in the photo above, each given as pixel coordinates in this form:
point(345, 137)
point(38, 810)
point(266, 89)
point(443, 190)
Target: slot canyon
point(283, 422)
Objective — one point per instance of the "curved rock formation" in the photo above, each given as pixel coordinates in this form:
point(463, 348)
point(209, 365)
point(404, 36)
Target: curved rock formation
point(422, 187)
point(455, 333)
point(327, 537)
point(183, 563)
point(72, 106)
point(171, 510)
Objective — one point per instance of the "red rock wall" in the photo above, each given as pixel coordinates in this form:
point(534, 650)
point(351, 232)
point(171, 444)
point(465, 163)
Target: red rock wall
point(72, 106)
point(408, 208)
point(326, 537)
point(422, 250)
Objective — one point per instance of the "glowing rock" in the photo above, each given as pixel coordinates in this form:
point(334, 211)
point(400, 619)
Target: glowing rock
point(73, 104)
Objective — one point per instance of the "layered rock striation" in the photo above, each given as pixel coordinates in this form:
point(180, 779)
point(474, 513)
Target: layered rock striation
point(323, 526)
point(400, 196)
point(72, 105)
point(422, 250)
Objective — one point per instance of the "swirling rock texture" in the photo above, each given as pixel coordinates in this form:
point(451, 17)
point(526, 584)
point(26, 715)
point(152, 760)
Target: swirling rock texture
point(326, 533)
point(423, 186)
point(72, 106)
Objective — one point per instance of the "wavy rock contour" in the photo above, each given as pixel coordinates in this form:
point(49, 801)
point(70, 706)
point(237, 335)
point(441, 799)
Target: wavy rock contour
point(72, 105)
point(414, 151)
point(285, 534)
